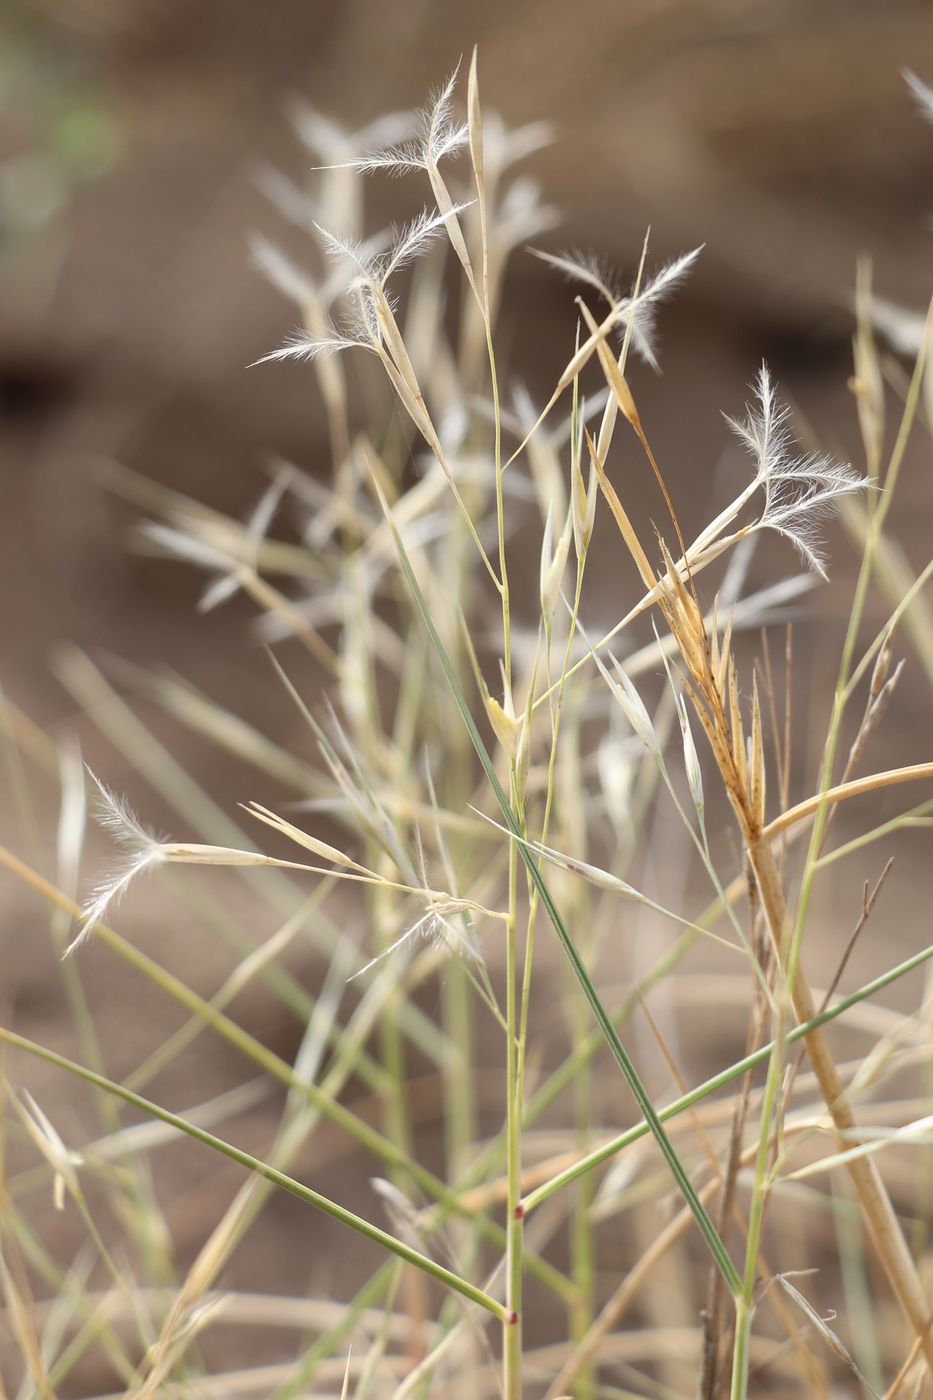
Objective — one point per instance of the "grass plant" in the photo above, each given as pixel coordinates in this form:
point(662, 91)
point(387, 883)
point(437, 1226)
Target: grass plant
point(501, 858)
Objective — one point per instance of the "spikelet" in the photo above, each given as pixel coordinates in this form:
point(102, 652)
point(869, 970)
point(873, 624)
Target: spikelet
point(736, 733)
point(756, 762)
point(620, 515)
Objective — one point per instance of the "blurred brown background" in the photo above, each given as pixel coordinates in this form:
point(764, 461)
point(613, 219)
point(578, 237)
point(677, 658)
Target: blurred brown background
point(781, 135)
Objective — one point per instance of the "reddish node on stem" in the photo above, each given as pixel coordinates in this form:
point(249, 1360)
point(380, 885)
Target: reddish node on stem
point(513, 1319)
point(519, 1211)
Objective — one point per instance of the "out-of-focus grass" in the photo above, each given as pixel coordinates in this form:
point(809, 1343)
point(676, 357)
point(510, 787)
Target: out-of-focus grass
point(495, 812)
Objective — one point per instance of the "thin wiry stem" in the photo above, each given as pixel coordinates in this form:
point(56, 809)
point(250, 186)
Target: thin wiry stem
point(512, 1336)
